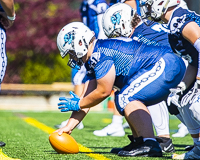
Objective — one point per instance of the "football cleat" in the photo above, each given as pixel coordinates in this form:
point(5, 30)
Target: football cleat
point(165, 144)
point(111, 130)
point(64, 123)
point(189, 148)
point(192, 154)
point(149, 148)
point(2, 144)
point(128, 147)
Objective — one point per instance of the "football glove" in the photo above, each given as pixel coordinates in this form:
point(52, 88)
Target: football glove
point(191, 94)
point(174, 96)
point(69, 104)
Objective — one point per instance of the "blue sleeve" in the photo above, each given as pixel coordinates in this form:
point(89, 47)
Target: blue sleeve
point(103, 68)
point(87, 78)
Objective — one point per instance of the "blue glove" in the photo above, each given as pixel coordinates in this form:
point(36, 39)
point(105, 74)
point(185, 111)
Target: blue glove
point(69, 104)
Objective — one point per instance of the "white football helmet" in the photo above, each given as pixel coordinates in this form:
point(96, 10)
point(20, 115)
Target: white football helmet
point(117, 20)
point(156, 8)
point(74, 39)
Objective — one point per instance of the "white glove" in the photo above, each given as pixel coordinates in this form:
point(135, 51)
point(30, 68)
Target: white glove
point(188, 98)
point(174, 96)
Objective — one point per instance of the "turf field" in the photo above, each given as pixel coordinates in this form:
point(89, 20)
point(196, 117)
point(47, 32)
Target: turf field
point(26, 137)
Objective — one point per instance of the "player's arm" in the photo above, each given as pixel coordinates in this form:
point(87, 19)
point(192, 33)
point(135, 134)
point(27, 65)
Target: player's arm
point(131, 3)
point(94, 93)
point(7, 19)
point(102, 91)
point(77, 116)
point(8, 6)
point(191, 32)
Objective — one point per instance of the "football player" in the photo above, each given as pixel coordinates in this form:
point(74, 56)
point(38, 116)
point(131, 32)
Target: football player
point(184, 38)
point(7, 18)
point(122, 20)
point(139, 72)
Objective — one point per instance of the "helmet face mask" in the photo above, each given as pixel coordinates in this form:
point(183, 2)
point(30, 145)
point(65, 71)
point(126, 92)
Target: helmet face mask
point(74, 39)
point(117, 20)
point(115, 33)
point(74, 61)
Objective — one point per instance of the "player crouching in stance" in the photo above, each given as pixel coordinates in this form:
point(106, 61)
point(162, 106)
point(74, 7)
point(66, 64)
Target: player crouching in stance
point(142, 74)
point(184, 38)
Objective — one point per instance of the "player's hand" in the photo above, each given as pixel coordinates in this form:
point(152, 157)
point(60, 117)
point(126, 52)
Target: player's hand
point(5, 21)
point(174, 96)
point(64, 130)
point(69, 104)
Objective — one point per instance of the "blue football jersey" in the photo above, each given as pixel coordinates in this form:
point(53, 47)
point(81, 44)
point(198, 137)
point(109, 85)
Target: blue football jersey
point(92, 12)
point(179, 44)
point(156, 34)
point(128, 56)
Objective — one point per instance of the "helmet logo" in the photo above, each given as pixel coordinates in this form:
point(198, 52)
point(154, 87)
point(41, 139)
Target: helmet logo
point(68, 38)
point(115, 19)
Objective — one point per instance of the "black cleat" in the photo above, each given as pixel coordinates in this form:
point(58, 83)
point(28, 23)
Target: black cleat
point(149, 148)
point(128, 147)
point(189, 148)
point(166, 144)
point(2, 144)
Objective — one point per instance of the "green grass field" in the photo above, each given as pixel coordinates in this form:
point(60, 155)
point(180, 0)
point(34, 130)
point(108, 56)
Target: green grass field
point(25, 141)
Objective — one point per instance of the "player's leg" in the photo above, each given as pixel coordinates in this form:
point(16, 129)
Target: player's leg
point(113, 129)
point(160, 117)
point(3, 62)
point(77, 81)
point(139, 118)
point(188, 115)
point(140, 89)
point(193, 128)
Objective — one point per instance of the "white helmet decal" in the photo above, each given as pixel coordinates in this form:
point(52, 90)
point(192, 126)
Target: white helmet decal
point(68, 38)
point(116, 17)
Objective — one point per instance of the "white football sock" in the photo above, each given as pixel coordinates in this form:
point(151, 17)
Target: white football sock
point(117, 120)
point(160, 117)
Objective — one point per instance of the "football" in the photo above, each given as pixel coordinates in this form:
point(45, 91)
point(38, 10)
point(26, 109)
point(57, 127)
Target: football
point(64, 144)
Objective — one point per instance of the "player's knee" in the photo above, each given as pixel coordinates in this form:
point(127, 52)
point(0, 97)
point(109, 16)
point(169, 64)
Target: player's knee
point(119, 108)
point(195, 109)
point(173, 110)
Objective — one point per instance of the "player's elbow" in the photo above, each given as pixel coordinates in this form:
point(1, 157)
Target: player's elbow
point(105, 93)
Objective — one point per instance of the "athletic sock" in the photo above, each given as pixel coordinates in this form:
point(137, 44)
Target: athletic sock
point(117, 120)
